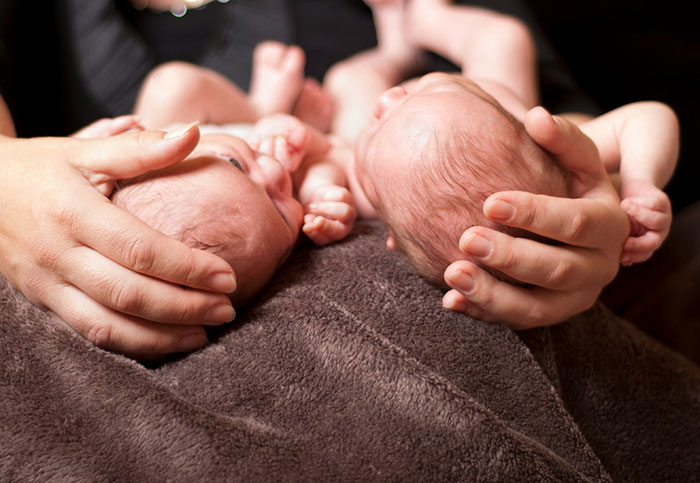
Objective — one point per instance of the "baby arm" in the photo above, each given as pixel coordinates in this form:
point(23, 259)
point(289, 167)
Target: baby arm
point(638, 143)
point(329, 206)
point(318, 174)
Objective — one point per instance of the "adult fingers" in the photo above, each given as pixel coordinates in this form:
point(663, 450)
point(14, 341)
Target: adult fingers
point(121, 289)
point(572, 148)
point(582, 222)
point(125, 239)
point(490, 299)
point(134, 153)
point(108, 127)
point(119, 332)
point(532, 262)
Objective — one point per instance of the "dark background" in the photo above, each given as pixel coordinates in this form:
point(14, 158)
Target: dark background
point(618, 52)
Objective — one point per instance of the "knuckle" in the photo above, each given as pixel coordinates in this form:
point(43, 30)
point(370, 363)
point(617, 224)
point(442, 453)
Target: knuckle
point(187, 313)
point(507, 261)
point(527, 215)
point(562, 272)
point(33, 286)
point(156, 345)
point(99, 333)
point(139, 255)
point(486, 297)
point(536, 315)
point(124, 298)
point(578, 226)
point(45, 256)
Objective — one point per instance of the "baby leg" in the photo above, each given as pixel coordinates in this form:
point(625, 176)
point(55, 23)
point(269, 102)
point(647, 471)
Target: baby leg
point(356, 83)
point(178, 92)
point(278, 77)
point(315, 106)
point(483, 43)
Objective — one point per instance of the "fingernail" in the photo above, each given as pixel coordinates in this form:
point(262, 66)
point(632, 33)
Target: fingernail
point(455, 306)
point(460, 280)
point(191, 342)
point(478, 246)
point(500, 210)
point(314, 206)
point(451, 303)
point(180, 131)
point(220, 314)
point(224, 282)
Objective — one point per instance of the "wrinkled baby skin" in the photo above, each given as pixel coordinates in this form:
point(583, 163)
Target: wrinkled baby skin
point(227, 199)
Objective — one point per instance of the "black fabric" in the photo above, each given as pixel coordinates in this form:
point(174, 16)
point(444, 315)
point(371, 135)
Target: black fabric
point(31, 79)
point(108, 47)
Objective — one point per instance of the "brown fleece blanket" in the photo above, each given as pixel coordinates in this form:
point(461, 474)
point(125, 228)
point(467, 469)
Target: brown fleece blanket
point(348, 369)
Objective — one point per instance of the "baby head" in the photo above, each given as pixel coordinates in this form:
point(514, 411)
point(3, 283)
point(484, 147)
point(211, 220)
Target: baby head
point(224, 198)
point(433, 156)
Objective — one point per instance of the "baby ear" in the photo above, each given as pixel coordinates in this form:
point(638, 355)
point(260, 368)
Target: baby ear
point(391, 242)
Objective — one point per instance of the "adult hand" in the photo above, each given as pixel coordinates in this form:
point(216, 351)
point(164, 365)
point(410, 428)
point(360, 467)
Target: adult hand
point(119, 283)
point(107, 126)
point(558, 280)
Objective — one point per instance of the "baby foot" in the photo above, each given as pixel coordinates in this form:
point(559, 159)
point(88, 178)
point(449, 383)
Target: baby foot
point(278, 77)
point(315, 106)
point(287, 139)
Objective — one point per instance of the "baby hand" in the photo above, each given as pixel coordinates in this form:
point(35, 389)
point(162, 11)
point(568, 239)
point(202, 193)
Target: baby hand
point(330, 214)
point(283, 137)
point(649, 210)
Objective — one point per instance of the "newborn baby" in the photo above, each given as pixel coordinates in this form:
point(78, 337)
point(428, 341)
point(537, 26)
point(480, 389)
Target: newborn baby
point(227, 199)
point(437, 150)
point(434, 155)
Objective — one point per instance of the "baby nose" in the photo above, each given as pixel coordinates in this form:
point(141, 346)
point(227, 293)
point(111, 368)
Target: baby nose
point(387, 100)
point(276, 178)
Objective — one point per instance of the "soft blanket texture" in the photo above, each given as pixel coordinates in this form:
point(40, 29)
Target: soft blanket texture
point(348, 369)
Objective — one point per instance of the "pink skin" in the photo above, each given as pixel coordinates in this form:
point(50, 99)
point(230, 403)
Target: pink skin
point(249, 215)
point(562, 279)
point(649, 209)
point(109, 127)
point(319, 179)
point(315, 106)
point(401, 117)
point(278, 77)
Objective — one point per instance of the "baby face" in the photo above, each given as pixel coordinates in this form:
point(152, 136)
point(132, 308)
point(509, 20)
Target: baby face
point(227, 199)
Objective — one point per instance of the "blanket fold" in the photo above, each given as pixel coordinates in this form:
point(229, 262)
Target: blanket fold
point(348, 369)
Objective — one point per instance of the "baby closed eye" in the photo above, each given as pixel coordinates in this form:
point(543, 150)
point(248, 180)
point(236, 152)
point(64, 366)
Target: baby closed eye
point(235, 163)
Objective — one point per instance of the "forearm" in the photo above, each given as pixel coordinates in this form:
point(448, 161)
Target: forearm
point(315, 173)
point(638, 141)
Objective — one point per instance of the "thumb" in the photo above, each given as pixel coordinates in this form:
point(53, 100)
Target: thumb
point(134, 153)
point(569, 145)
